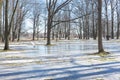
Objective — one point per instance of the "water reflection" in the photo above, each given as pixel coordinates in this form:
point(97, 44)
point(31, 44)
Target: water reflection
point(65, 48)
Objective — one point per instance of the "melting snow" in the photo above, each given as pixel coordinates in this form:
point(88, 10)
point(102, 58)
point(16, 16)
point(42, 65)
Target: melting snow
point(63, 61)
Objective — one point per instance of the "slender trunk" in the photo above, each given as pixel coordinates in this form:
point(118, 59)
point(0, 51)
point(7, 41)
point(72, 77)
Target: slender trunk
point(19, 32)
point(93, 25)
point(34, 30)
point(106, 11)
point(69, 25)
point(60, 34)
point(65, 30)
point(45, 31)
point(13, 36)
point(3, 23)
point(118, 26)
point(112, 19)
point(53, 35)
point(118, 30)
point(112, 29)
point(80, 30)
point(0, 19)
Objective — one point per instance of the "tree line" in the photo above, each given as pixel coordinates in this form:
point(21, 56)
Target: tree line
point(82, 19)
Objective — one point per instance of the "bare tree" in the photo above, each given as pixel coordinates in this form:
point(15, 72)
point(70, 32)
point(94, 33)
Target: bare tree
point(113, 7)
point(1, 2)
point(118, 19)
point(8, 25)
point(93, 19)
point(53, 7)
point(106, 16)
point(36, 18)
point(23, 11)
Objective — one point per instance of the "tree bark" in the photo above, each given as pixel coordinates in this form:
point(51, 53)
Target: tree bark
point(49, 24)
point(6, 47)
point(8, 26)
point(100, 45)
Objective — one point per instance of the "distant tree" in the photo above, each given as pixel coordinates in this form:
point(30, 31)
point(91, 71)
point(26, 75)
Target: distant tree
point(1, 19)
point(53, 7)
point(23, 12)
point(118, 19)
point(93, 20)
point(106, 16)
point(113, 7)
point(36, 18)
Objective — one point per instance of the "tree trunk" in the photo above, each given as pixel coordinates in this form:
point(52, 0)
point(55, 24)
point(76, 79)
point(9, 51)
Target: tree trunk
point(118, 21)
point(112, 29)
point(0, 19)
point(19, 32)
point(112, 19)
point(34, 30)
point(45, 31)
point(6, 47)
point(118, 30)
point(106, 14)
point(49, 24)
point(118, 26)
point(93, 30)
point(100, 45)
point(48, 36)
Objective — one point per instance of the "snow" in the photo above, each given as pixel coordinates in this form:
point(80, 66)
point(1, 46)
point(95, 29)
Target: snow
point(67, 60)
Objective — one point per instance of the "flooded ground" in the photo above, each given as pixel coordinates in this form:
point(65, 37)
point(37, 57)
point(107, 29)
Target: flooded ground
point(64, 60)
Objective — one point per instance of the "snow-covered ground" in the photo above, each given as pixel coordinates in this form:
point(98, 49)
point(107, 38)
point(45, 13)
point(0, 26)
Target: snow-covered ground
point(65, 60)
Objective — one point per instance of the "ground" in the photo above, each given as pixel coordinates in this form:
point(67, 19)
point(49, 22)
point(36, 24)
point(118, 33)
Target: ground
point(65, 60)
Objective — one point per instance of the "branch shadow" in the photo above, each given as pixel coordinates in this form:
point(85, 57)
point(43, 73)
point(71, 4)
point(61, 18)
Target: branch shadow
point(73, 73)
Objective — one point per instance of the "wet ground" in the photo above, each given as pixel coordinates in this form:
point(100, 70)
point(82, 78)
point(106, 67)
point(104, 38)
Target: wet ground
point(65, 60)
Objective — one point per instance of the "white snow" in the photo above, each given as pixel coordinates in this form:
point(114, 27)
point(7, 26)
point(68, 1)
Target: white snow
point(63, 61)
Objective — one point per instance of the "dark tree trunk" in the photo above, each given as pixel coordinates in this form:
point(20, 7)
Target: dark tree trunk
point(53, 35)
point(80, 30)
point(19, 32)
point(13, 36)
point(112, 29)
point(93, 26)
point(45, 31)
point(118, 22)
point(112, 19)
point(60, 34)
point(34, 30)
point(100, 45)
point(69, 32)
point(6, 47)
point(118, 25)
point(48, 36)
point(65, 30)
point(49, 25)
point(118, 30)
